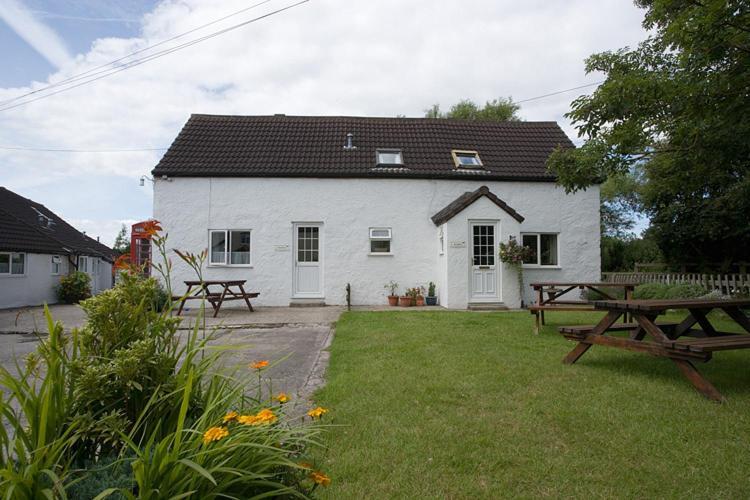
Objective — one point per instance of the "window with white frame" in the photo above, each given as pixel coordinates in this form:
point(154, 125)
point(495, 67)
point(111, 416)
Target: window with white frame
point(229, 247)
point(380, 240)
point(55, 265)
point(12, 263)
point(544, 249)
point(83, 264)
point(389, 157)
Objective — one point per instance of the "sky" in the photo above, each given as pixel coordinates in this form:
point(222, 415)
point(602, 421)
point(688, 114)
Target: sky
point(323, 57)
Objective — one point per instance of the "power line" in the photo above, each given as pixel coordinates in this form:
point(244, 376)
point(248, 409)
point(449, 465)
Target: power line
point(556, 93)
point(144, 49)
point(145, 59)
point(53, 150)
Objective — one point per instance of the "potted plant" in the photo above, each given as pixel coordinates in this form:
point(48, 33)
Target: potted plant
point(392, 288)
point(419, 297)
point(512, 254)
point(405, 300)
point(431, 297)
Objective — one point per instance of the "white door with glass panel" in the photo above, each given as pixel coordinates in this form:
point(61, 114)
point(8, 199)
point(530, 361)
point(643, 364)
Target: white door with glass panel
point(483, 260)
point(308, 260)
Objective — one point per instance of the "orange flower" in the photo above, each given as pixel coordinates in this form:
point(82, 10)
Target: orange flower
point(151, 227)
point(248, 420)
point(122, 262)
point(266, 416)
point(317, 412)
point(320, 478)
point(231, 417)
point(214, 434)
point(259, 365)
point(281, 397)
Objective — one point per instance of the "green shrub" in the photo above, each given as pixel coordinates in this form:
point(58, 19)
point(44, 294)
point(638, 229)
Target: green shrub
point(74, 288)
point(617, 293)
point(663, 291)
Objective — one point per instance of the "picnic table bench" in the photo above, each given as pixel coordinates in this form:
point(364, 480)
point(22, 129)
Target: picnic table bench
point(229, 290)
point(555, 290)
point(679, 341)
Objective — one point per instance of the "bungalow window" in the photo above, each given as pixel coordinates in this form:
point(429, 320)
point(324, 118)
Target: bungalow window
point(544, 249)
point(12, 263)
point(389, 157)
point(466, 159)
point(380, 240)
point(55, 265)
point(230, 247)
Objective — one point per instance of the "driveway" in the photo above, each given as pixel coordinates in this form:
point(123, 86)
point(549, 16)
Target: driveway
point(292, 339)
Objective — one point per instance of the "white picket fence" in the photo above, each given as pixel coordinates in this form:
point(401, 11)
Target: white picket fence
point(726, 283)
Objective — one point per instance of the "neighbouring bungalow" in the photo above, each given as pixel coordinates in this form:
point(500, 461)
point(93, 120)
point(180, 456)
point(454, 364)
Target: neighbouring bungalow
point(301, 206)
point(37, 247)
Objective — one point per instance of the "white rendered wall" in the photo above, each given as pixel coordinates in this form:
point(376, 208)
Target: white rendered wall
point(35, 286)
point(189, 207)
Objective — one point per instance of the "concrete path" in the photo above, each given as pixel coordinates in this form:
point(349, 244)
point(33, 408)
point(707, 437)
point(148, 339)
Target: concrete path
point(292, 339)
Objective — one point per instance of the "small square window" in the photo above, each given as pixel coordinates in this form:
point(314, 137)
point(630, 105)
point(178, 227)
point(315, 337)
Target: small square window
point(466, 159)
point(389, 157)
point(544, 249)
point(380, 240)
point(230, 248)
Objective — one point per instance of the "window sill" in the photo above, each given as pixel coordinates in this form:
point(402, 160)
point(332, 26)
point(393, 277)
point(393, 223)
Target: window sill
point(534, 266)
point(380, 254)
point(246, 266)
point(12, 275)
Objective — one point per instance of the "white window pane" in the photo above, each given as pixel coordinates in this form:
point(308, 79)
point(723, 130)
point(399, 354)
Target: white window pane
point(17, 263)
point(4, 263)
point(467, 159)
point(239, 247)
point(389, 157)
point(548, 249)
point(380, 233)
point(380, 246)
point(218, 247)
point(530, 241)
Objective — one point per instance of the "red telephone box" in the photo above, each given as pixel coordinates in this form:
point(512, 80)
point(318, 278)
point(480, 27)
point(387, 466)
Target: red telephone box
point(140, 247)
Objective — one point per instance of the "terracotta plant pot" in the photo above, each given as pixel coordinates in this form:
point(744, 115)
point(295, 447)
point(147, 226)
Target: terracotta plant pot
point(420, 300)
point(404, 301)
point(431, 301)
point(393, 300)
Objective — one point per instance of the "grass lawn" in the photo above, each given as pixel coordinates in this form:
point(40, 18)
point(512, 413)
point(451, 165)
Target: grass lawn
point(459, 405)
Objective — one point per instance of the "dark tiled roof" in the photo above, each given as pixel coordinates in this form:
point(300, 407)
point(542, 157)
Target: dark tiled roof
point(313, 146)
point(466, 199)
point(23, 232)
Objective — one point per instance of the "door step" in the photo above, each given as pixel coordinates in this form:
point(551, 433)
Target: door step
point(487, 306)
point(307, 303)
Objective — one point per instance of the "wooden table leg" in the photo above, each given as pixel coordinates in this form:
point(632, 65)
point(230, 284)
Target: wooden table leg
point(738, 316)
point(580, 349)
point(247, 301)
point(576, 353)
point(700, 317)
point(221, 300)
point(184, 299)
point(699, 382)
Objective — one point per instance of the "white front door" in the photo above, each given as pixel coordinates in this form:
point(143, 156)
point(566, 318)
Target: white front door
point(90, 266)
point(308, 260)
point(483, 256)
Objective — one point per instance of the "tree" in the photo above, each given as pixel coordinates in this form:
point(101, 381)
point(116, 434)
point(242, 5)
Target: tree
point(499, 110)
point(677, 106)
point(122, 242)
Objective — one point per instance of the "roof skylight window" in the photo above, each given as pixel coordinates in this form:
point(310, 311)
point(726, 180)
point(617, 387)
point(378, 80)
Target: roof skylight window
point(466, 159)
point(389, 157)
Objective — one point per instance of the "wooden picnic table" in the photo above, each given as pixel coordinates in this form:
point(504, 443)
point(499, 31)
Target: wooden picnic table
point(229, 290)
point(677, 341)
point(556, 290)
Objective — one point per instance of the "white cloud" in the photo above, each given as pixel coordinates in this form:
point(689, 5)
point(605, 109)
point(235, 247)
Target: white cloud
point(37, 34)
point(325, 57)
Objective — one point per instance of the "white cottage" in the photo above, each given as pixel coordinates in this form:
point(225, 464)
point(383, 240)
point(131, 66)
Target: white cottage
point(37, 248)
point(302, 206)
